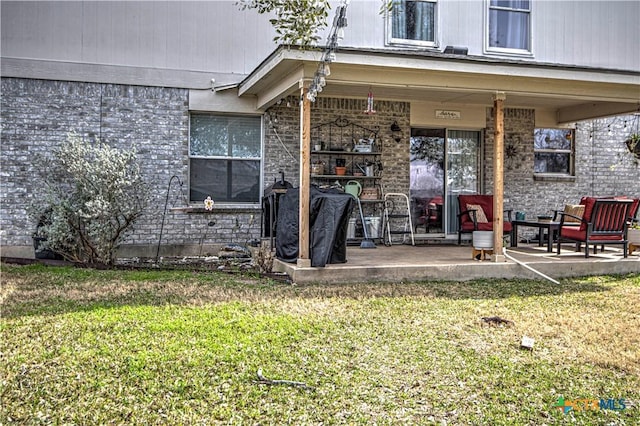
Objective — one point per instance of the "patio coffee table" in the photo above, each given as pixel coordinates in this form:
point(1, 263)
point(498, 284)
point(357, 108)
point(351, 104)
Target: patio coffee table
point(551, 228)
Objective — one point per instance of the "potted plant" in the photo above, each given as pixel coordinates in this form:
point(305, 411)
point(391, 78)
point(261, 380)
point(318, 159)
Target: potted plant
point(633, 144)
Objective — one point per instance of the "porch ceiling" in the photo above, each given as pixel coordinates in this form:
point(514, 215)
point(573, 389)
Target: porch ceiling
point(573, 93)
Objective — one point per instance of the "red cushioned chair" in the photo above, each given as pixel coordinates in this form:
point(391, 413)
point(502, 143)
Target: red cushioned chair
point(429, 213)
point(468, 218)
point(605, 221)
point(632, 212)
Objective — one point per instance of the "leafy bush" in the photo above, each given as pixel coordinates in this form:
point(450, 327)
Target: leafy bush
point(295, 21)
point(93, 194)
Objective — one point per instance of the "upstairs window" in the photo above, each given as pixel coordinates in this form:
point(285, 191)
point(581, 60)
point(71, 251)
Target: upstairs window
point(224, 158)
point(510, 26)
point(412, 22)
point(553, 151)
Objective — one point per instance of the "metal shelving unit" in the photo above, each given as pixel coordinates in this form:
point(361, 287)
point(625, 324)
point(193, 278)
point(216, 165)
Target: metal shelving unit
point(359, 150)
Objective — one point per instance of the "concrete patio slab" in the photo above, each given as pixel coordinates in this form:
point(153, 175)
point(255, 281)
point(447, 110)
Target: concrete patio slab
point(403, 263)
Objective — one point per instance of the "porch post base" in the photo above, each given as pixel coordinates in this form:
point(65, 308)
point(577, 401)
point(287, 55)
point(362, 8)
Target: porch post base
point(304, 263)
point(498, 258)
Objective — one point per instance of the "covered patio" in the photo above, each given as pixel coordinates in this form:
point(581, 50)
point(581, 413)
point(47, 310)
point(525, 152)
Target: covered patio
point(403, 263)
point(472, 86)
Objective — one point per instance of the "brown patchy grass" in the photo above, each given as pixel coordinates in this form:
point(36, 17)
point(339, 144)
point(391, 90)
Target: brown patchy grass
point(599, 326)
point(375, 353)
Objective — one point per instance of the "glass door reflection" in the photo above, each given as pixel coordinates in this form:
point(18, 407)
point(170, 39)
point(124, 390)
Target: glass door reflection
point(463, 171)
point(444, 164)
point(427, 180)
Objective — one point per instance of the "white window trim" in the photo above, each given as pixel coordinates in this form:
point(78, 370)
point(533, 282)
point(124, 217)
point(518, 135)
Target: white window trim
point(221, 157)
point(572, 158)
point(220, 205)
point(522, 53)
point(391, 41)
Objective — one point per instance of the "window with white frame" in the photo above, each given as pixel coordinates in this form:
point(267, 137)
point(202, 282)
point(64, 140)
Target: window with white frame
point(412, 22)
point(553, 151)
point(510, 26)
point(224, 158)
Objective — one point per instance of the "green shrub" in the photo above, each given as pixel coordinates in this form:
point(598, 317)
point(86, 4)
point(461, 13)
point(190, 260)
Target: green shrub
point(92, 195)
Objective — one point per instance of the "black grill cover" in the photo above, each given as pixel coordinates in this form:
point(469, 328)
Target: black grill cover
point(329, 213)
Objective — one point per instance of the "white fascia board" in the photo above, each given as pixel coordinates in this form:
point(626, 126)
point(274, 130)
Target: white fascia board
point(221, 101)
point(283, 58)
point(284, 87)
point(114, 74)
point(479, 66)
point(386, 62)
point(591, 111)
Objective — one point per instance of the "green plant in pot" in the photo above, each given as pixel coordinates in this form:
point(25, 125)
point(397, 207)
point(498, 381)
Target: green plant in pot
point(633, 144)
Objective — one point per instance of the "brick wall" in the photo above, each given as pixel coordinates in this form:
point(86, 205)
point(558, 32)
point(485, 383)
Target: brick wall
point(519, 190)
point(603, 160)
point(38, 114)
point(604, 166)
point(35, 116)
point(282, 136)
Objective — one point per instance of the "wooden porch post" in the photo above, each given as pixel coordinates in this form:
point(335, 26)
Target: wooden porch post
point(498, 175)
point(305, 153)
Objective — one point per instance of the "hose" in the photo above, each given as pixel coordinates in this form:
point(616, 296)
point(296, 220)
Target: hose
point(504, 251)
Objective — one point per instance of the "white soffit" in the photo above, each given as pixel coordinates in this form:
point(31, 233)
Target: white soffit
point(575, 93)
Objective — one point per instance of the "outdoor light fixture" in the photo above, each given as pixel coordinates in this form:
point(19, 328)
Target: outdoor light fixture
point(330, 57)
point(335, 34)
point(396, 132)
point(324, 70)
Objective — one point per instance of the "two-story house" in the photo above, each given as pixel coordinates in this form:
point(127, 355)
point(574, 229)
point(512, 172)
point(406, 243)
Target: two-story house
point(406, 103)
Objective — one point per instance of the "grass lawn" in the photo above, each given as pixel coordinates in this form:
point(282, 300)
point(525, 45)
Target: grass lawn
point(91, 347)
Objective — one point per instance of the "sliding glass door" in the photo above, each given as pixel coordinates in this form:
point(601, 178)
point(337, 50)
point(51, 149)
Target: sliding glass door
point(463, 171)
point(444, 164)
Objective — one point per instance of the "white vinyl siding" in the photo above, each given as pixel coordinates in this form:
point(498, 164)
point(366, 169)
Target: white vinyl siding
point(221, 39)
